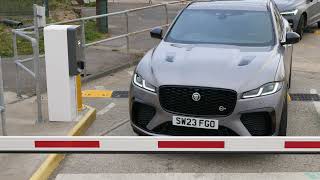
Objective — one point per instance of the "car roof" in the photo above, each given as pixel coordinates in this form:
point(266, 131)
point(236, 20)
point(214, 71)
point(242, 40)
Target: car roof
point(249, 5)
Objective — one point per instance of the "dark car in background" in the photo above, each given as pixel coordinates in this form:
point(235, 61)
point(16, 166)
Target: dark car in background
point(300, 13)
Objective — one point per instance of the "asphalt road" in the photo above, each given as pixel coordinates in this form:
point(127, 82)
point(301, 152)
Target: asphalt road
point(304, 120)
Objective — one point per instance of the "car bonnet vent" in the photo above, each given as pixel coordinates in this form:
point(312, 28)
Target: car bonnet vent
point(246, 60)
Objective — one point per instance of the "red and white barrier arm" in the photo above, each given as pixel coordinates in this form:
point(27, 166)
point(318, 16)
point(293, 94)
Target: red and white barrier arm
point(129, 144)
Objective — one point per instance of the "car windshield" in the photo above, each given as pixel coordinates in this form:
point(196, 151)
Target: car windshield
point(232, 27)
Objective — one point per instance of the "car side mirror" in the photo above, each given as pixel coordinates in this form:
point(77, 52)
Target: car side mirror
point(156, 33)
point(291, 38)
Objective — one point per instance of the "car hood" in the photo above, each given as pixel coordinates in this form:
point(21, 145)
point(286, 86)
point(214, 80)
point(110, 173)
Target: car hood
point(287, 5)
point(220, 66)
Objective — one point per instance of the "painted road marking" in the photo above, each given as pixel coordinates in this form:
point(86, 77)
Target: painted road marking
point(106, 109)
point(317, 32)
point(316, 103)
point(97, 93)
point(104, 94)
point(199, 176)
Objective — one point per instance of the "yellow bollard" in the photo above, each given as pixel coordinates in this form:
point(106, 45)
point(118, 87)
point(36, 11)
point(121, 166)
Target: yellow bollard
point(79, 93)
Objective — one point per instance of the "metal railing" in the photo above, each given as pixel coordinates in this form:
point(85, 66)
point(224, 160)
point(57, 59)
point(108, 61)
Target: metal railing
point(35, 58)
point(25, 32)
point(2, 103)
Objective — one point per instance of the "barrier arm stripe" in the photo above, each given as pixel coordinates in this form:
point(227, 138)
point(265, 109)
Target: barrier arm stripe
point(190, 144)
point(139, 144)
point(67, 144)
point(302, 144)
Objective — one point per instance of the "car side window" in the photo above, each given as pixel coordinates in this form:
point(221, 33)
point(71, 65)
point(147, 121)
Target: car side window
point(279, 23)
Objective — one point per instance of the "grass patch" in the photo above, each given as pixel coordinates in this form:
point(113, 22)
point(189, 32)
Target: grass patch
point(5, 42)
point(24, 46)
point(59, 4)
point(92, 33)
point(90, 4)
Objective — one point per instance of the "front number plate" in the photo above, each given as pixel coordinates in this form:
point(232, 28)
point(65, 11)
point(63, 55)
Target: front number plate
point(195, 122)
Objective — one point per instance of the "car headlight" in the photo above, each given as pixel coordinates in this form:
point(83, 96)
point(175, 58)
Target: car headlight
point(139, 81)
point(290, 13)
point(269, 88)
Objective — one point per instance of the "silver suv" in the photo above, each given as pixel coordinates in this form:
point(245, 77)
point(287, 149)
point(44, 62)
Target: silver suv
point(300, 13)
point(222, 69)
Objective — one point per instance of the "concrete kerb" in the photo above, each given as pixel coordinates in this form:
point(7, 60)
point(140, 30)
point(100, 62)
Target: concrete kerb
point(53, 160)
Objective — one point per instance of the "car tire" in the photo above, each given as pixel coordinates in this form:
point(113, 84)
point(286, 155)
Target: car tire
point(138, 133)
point(319, 24)
point(284, 118)
point(289, 83)
point(301, 27)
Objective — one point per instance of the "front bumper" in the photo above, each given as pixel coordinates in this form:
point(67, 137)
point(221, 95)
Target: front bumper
point(248, 116)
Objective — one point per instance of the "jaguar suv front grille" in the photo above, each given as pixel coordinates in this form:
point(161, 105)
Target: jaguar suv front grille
point(199, 101)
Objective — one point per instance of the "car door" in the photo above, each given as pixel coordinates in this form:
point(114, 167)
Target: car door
point(313, 10)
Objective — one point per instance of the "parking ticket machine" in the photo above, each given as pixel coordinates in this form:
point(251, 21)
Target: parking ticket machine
point(63, 64)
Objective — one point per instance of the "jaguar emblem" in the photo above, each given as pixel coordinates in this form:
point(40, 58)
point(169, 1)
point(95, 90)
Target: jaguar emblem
point(196, 96)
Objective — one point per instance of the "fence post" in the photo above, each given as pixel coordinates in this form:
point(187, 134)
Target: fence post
point(167, 14)
point(2, 103)
point(36, 63)
point(83, 46)
point(18, 79)
point(14, 45)
point(46, 5)
point(127, 31)
point(102, 8)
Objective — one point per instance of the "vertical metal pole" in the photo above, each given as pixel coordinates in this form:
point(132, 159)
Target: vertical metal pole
point(167, 14)
point(2, 103)
point(102, 8)
point(36, 63)
point(127, 31)
point(15, 56)
point(83, 48)
point(46, 5)
point(35, 22)
point(14, 45)
point(18, 79)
